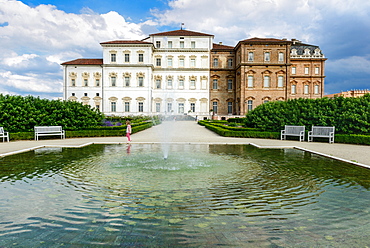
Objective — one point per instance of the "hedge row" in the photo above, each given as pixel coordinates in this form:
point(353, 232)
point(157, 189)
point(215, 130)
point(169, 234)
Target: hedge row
point(19, 114)
point(226, 131)
point(97, 132)
point(349, 115)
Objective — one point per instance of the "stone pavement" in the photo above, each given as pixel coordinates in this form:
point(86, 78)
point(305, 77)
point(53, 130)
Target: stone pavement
point(190, 132)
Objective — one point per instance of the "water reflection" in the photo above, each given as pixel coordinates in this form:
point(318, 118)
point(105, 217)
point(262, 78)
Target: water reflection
point(202, 195)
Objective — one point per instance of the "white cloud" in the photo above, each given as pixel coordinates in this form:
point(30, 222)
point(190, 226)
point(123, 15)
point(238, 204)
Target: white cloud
point(30, 82)
point(36, 40)
point(18, 59)
point(353, 64)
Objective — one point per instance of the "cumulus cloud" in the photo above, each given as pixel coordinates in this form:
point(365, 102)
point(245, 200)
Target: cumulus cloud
point(35, 40)
point(340, 28)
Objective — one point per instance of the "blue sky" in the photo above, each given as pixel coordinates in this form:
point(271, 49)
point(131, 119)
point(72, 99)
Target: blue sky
point(36, 36)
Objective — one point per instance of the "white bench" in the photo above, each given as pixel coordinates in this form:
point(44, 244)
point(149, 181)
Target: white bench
point(321, 132)
point(293, 131)
point(48, 130)
point(4, 134)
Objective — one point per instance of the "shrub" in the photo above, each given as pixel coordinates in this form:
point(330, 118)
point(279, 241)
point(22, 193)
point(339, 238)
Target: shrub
point(348, 115)
point(19, 113)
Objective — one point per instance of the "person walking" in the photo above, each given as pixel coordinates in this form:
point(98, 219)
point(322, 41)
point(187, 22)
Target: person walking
point(128, 131)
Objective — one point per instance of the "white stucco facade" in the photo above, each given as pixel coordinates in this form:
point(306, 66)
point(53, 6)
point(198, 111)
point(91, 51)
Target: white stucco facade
point(167, 73)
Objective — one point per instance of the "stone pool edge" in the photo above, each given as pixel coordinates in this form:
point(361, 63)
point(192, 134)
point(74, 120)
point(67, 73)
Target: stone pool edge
point(252, 144)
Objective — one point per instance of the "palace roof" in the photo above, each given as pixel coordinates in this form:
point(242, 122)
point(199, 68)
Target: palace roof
point(125, 42)
point(263, 40)
point(221, 47)
point(180, 32)
point(84, 62)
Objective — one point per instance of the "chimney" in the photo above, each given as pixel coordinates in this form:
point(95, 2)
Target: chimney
point(220, 43)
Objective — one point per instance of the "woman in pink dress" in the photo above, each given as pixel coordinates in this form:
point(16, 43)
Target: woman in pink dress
point(128, 131)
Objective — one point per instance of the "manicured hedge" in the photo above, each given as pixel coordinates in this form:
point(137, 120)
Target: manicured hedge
point(90, 132)
point(20, 114)
point(348, 115)
point(227, 131)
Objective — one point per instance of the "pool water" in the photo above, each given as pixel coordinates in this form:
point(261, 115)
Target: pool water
point(201, 196)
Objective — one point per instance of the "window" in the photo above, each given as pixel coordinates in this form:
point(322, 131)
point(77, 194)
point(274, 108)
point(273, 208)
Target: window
point(73, 94)
point(169, 44)
point(215, 107)
point(157, 107)
point(229, 84)
point(250, 56)
point(113, 57)
point(181, 82)
point(215, 84)
point(158, 84)
point(97, 94)
point(169, 107)
point(250, 81)
point(158, 44)
point(169, 83)
point(181, 62)
point(85, 94)
point(317, 70)
point(266, 81)
point(229, 107)
point(230, 62)
point(73, 82)
point(141, 107)
point(316, 89)
point(267, 56)
point(182, 45)
point(127, 106)
point(193, 44)
point(192, 107)
point(127, 81)
point(250, 105)
point(127, 57)
point(294, 70)
point(141, 57)
point(141, 81)
point(215, 62)
point(294, 89)
point(113, 81)
point(192, 83)
point(113, 106)
point(86, 82)
point(280, 81)
point(192, 62)
point(158, 62)
point(306, 70)
point(169, 62)
point(181, 108)
point(306, 89)
point(281, 57)
point(97, 82)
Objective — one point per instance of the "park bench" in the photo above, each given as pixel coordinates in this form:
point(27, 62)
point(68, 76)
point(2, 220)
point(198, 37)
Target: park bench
point(321, 132)
point(293, 131)
point(4, 134)
point(48, 130)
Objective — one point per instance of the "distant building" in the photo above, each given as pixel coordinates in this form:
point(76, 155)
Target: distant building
point(184, 72)
point(350, 93)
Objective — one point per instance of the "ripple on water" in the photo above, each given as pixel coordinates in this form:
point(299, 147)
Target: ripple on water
point(201, 195)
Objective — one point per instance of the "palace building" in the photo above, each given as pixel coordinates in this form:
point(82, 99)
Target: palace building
point(183, 72)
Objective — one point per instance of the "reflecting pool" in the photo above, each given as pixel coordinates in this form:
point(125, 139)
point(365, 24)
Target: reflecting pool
point(201, 196)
